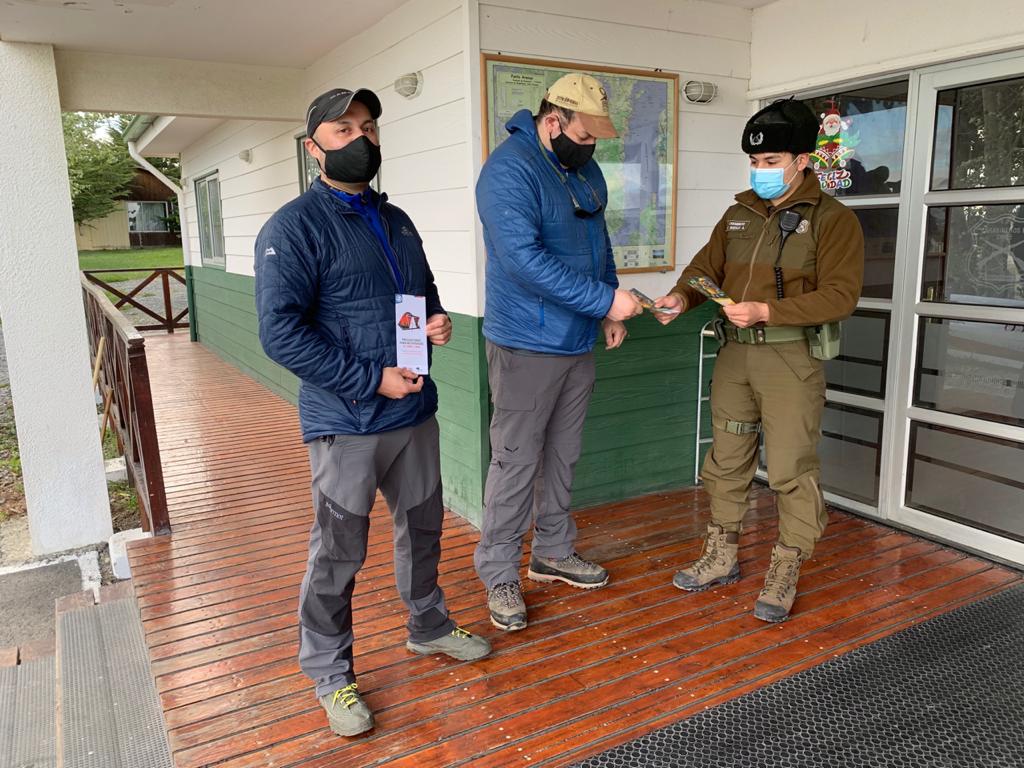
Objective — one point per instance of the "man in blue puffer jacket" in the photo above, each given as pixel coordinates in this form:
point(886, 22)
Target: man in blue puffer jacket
point(330, 266)
point(550, 283)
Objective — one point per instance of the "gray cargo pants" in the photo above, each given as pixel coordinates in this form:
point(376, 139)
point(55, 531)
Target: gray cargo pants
point(347, 471)
point(540, 403)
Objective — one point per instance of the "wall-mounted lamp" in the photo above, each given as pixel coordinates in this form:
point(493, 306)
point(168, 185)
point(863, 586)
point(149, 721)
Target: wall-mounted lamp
point(409, 85)
point(245, 155)
point(699, 91)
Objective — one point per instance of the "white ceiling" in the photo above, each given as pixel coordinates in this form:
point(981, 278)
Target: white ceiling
point(743, 3)
point(292, 33)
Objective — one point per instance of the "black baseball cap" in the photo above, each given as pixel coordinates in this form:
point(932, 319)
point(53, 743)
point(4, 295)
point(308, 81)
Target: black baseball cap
point(786, 125)
point(333, 104)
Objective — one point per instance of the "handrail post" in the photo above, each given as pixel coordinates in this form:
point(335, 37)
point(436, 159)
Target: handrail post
point(168, 313)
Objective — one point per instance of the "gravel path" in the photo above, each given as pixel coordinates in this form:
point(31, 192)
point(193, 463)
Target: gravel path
point(152, 296)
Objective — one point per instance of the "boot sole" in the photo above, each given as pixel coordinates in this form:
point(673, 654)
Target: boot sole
point(338, 731)
point(548, 578)
point(514, 626)
point(770, 619)
point(424, 650)
point(713, 583)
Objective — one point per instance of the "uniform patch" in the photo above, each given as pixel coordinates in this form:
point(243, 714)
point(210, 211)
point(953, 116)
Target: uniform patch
point(736, 225)
point(803, 227)
point(406, 231)
point(756, 139)
point(270, 252)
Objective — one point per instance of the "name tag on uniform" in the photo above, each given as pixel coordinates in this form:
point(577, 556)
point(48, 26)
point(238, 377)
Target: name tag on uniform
point(411, 332)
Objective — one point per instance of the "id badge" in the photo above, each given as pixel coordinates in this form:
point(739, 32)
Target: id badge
point(411, 332)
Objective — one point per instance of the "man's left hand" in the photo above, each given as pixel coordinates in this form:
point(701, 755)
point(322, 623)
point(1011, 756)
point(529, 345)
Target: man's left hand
point(746, 313)
point(614, 333)
point(439, 329)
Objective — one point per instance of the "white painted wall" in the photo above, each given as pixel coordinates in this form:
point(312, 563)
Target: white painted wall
point(697, 40)
point(424, 144)
point(44, 330)
point(870, 37)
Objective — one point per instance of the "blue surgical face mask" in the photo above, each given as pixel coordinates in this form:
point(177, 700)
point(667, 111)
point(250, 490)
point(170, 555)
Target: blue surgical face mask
point(769, 183)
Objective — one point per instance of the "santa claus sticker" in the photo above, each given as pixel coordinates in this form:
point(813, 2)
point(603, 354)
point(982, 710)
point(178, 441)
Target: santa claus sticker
point(834, 150)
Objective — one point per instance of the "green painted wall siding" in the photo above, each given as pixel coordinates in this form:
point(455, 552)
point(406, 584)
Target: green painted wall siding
point(640, 431)
point(224, 314)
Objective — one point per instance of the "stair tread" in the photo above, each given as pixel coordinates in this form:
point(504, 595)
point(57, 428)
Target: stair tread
point(27, 718)
point(110, 714)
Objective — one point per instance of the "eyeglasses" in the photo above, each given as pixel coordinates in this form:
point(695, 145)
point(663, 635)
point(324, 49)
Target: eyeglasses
point(578, 210)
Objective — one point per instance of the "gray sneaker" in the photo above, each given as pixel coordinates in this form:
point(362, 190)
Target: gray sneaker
point(507, 607)
point(573, 570)
point(459, 644)
point(347, 713)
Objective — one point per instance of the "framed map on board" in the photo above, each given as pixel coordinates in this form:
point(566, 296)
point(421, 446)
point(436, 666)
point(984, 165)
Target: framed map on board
point(639, 166)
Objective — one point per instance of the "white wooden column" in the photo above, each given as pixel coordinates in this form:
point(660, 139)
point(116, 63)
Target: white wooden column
point(42, 313)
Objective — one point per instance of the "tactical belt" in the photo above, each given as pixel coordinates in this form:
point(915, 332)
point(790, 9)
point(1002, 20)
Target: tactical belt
point(759, 334)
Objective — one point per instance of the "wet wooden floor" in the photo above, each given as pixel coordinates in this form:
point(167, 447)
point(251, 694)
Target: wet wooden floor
point(218, 600)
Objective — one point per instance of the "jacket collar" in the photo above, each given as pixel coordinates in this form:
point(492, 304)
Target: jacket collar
point(338, 198)
point(809, 192)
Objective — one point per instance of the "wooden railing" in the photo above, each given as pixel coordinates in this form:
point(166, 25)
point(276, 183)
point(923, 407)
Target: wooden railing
point(124, 378)
point(166, 322)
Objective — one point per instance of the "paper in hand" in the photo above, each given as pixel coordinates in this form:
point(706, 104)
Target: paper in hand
point(710, 288)
point(647, 303)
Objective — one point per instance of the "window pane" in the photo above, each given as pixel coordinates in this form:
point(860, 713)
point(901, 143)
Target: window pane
point(969, 478)
point(975, 255)
point(879, 225)
point(972, 369)
point(850, 451)
point(147, 217)
point(216, 221)
point(978, 136)
point(860, 143)
point(861, 365)
point(203, 215)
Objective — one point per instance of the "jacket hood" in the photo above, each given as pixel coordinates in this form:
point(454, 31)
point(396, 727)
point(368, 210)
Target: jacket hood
point(522, 122)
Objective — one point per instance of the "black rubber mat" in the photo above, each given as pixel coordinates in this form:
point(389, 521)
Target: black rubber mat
point(947, 693)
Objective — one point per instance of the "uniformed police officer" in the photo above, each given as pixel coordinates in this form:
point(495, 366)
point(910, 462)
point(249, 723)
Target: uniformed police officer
point(792, 258)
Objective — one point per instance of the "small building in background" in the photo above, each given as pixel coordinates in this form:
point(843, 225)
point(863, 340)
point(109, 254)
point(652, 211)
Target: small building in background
point(144, 218)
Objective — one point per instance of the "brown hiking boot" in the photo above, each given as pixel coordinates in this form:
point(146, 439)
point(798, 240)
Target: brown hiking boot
point(779, 592)
point(717, 565)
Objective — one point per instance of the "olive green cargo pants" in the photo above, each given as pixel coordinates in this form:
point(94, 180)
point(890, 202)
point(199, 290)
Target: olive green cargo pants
point(781, 388)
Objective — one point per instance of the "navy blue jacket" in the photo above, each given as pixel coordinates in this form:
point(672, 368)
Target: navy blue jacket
point(325, 298)
point(550, 274)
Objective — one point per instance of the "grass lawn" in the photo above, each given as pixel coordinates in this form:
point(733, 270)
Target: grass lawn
point(134, 258)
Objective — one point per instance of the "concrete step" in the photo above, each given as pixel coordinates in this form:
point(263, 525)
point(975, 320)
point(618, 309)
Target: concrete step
point(109, 715)
point(27, 722)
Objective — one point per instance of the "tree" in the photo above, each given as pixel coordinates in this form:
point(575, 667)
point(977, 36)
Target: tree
point(99, 166)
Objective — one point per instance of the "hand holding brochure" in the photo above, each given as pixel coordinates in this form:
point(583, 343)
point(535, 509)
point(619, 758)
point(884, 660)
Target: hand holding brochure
point(648, 303)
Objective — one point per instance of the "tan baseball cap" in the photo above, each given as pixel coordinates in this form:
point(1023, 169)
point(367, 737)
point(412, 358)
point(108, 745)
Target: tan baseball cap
point(585, 96)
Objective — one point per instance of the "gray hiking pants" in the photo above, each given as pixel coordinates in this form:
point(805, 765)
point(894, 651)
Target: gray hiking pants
point(347, 471)
point(540, 403)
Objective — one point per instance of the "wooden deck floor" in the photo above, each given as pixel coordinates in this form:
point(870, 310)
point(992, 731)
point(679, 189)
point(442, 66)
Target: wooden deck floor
point(218, 601)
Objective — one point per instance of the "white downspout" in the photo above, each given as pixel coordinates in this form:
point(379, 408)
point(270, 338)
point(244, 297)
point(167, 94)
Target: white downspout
point(138, 158)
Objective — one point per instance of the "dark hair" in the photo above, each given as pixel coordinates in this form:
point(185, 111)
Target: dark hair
point(546, 108)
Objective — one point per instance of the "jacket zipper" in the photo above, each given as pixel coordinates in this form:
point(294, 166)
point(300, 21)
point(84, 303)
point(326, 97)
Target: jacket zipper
point(540, 300)
point(753, 259)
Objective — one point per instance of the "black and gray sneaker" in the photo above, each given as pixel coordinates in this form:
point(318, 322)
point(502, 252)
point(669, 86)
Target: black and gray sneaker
point(573, 570)
point(347, 713)
point(507, 607)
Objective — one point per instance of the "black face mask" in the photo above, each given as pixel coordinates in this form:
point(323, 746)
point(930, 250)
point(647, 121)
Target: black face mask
point(355, 163)
point(570, 154)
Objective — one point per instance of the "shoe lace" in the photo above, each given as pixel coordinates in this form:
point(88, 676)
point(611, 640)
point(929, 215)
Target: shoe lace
point(709, 557)
point(348, 696)
point(575, 560)
point(461, 633)
point(781, 575)
point(508, 594)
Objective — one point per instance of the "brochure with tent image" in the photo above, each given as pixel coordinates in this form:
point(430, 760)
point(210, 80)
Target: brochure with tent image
point(710, 288)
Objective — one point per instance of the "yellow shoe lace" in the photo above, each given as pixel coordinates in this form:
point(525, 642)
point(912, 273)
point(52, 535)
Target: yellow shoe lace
point(460, 633)
point(347, 695)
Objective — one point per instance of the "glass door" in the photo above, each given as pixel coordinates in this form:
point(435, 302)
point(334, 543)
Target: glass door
point(957, 415)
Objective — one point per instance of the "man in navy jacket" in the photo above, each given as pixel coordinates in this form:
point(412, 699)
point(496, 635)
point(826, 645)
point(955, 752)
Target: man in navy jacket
point(550, 284)
point(330, 266)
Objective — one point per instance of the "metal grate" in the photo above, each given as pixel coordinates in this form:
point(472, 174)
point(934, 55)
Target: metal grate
point(947, 693)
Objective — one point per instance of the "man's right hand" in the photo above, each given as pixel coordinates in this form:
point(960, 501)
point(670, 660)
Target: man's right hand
point(673, 302)
point(396, 383)
point(624, 306)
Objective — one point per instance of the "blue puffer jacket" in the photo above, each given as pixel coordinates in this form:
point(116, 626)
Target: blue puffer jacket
point(550, 274)
point(325, 298)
